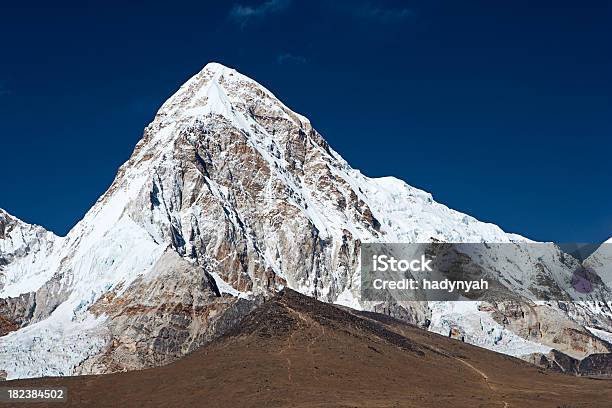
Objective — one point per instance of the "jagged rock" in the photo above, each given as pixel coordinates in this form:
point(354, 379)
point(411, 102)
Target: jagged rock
point(16, 312)
point(594, 365)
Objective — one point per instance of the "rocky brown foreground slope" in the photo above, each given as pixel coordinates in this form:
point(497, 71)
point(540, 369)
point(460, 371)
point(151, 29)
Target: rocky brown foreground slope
point(294, 351)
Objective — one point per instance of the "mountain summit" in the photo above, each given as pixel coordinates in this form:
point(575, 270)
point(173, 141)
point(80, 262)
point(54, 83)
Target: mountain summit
point(228, 197)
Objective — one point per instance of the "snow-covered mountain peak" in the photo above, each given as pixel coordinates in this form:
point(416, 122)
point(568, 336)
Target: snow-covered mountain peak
point(221, 90)
point(229, 194)
point(218, 68)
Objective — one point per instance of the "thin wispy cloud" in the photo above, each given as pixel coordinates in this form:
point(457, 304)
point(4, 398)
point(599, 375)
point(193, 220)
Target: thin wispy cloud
point(290, 58)
point(243, 14)
point(383, 14)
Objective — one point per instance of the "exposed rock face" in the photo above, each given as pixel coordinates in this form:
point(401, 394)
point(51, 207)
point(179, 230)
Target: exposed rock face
point(228, 197)
point(594, 365)
point(550, 326)
point(16, 312)
point(176, 307)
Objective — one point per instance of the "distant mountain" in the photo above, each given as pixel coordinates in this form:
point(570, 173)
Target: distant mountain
point(229, 197)
point(580, 251)
point(600, 260)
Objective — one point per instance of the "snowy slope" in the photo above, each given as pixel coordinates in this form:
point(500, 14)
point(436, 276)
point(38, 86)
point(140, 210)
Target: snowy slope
point(601, 261)
point(24, 255)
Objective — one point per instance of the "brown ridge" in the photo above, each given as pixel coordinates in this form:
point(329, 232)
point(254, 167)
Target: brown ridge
point(294, 351)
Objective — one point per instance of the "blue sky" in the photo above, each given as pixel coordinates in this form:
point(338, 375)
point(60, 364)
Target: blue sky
point(503, 112)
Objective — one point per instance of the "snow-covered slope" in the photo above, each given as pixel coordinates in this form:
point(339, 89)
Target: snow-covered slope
point(601, 262)
point(229, 195)
point(25, 251)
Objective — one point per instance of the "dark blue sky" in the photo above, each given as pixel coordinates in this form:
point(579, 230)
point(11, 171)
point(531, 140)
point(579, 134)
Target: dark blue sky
point(503, 112)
